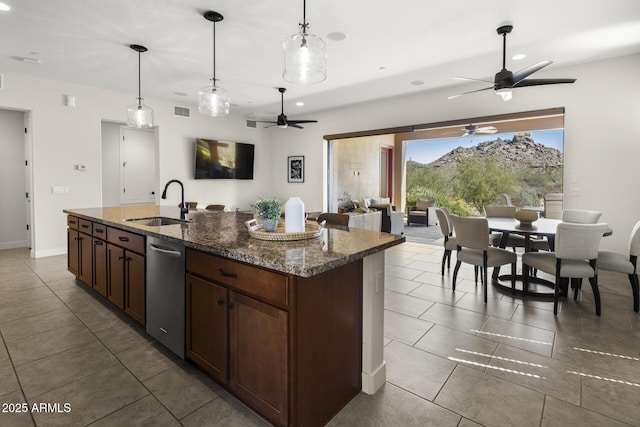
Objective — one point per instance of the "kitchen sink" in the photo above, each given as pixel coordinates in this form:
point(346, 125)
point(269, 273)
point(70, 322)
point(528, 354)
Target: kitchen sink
point(157, 221)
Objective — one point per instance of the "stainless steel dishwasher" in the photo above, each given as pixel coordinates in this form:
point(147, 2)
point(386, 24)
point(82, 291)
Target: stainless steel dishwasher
point(166, 293)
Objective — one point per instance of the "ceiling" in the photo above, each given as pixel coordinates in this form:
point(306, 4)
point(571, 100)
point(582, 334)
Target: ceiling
point(392, 48)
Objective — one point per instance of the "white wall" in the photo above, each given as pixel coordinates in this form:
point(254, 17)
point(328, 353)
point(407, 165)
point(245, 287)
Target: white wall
point(13, 216)
point(602, 144)
point(65, 136)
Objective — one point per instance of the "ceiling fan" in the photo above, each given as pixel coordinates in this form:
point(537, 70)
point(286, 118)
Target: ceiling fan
point(282, 121)
point(472, 129)
point(506, 80)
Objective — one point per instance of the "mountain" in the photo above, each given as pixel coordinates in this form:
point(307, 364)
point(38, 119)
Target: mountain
point(521, 151)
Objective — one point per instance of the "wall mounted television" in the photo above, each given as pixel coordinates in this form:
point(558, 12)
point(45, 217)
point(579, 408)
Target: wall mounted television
point(223, 159)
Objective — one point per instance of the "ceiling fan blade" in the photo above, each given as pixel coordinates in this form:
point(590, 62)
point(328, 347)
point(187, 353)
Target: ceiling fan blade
point(473, 91)
point(265, 121)
point(486, 129)
point(301, 121)
point(472, 80)
point(526, 72)
point(293, 125)
point(540, 82)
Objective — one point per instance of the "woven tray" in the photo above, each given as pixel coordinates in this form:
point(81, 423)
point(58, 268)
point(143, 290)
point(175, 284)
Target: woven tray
point(312, 230)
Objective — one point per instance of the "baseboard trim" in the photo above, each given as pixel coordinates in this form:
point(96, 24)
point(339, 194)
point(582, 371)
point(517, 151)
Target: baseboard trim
point(48, 252)
point(14, 245)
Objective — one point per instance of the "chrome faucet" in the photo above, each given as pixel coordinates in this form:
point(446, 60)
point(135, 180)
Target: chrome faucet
point(183, 208)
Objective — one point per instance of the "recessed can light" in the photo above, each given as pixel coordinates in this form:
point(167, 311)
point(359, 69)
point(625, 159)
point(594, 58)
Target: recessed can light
point(4, 7)
point(180, 93)
point(337, 36)
point(518, 56)
point(417, 82)
point(300, 104)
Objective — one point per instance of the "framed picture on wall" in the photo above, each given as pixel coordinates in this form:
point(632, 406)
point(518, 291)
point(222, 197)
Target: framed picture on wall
point(295, 167)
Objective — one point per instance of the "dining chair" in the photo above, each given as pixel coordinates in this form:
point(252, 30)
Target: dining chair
point(514, 240)
point(580, 216)
point(624, 263)
point(215, 207)
point(449, 239)
point(472, 238)
point(575, 256)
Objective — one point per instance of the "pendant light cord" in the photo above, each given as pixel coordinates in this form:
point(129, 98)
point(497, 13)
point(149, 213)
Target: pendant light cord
point(304, 24)
point(139, 82)
point(214, 54)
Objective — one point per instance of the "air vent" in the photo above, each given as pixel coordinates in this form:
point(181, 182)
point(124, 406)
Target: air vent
point(181, 111)
point(252, 124)
point(1, 82)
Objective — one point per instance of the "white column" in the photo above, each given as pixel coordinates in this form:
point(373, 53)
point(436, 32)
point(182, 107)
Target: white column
point(374, 373)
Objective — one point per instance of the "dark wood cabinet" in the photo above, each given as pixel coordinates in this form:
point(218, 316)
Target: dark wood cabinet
point(73, 251)
point(134, 286)
point(206, 324)
point(259, 356)
point(115, 275)
point(100, 266)
point(85, 263)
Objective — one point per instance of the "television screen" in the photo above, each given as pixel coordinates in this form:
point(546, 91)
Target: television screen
point(223, 160)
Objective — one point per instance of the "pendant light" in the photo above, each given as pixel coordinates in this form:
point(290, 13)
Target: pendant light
point(138, 114)
point(214, 100)
point(304, 55)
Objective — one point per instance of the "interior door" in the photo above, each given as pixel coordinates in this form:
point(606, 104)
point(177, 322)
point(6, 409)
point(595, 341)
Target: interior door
point(137, 166)
point(386, 172)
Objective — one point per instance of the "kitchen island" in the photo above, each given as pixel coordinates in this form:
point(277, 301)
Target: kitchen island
point(293, 329)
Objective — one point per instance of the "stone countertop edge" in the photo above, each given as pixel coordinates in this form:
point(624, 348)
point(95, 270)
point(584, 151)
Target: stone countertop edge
point(225, 234)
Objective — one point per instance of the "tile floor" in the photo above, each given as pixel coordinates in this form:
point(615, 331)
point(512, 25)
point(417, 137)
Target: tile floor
point(451, 359)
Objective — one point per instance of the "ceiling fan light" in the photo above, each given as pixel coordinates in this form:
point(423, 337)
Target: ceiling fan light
point(214, 101)
point(506, 94)
point(139, 115)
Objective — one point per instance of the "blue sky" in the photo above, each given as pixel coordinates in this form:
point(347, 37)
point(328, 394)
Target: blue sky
point(426, 151)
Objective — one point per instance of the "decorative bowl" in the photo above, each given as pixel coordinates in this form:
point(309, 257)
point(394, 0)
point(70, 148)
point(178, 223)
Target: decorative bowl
point(526, 216)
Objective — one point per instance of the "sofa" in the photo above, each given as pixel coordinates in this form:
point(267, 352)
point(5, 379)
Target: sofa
point(392, 221)
point(419, 214)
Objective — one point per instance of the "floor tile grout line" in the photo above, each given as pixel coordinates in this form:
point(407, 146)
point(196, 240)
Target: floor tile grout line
point(17, 378)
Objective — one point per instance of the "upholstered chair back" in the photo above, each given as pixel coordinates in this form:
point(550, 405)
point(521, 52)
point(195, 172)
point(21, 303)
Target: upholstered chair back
point(500, 211)
point(471, 232)
point(580, 216)
point(578, 241)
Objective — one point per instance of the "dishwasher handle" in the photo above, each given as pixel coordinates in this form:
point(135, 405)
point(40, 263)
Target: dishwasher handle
point(168, 252)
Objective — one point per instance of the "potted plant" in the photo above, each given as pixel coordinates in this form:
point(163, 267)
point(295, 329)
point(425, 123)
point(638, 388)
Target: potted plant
point(269, 211)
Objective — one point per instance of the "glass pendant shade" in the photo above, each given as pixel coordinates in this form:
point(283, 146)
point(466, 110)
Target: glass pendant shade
point(506, 94)
point(304, 59)
point(139, 115)
point(214, 101)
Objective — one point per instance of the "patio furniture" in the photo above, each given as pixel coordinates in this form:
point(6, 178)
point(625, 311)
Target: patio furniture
point(419, 213)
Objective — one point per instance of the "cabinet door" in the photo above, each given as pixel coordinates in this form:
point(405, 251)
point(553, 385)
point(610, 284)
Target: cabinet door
point(73, 251)
point(207, 326)
point(258, 356)
point(85, 272)
point(115, 275)
point(100, 266)
point(134, 286)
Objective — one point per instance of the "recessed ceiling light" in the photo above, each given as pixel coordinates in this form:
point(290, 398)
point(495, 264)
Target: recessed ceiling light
point(181, 93)
point(337, 36)
point(382, 68)
point(4, 7)
point(417, 82)
point(300, 104)
point(518, 56)
point(32, 60)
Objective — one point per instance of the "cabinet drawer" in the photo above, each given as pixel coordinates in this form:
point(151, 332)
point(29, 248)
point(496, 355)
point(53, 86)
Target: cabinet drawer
point(72, 222)
point(85, 226)
point(267, 285)
point(99, 231)
point(125, 239)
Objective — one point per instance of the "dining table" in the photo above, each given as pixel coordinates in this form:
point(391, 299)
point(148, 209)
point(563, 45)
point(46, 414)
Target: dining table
point(540, 229)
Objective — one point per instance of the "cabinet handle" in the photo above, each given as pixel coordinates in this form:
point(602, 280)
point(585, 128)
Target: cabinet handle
point(121, 257)
point(99, 230)
point(84, 226)
point(98, 242)
point(231, 305)
point(225, 274)
point(220, 301)
point(123, 239)
point(80, 238)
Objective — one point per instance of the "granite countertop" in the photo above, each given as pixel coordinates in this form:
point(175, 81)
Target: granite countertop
point(225, 234)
